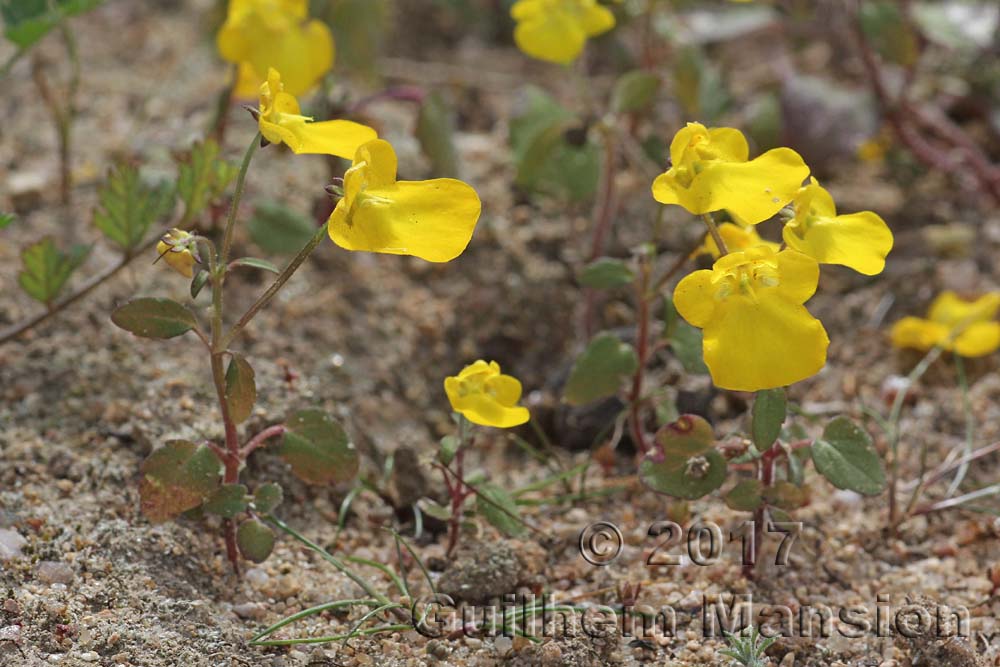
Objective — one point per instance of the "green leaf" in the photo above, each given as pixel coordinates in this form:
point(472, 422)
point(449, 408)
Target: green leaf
point(278, 229)
point(745, 496)
point(47, 268)
point(435, 131)
point(449, 447)
point(552, 153)
point(128, 206)
point(177, 477)
point(27, 21)
point(433, 509)
point(6, 219)
point(198, 282)
point(683, 477)
point(846, 457)
point(890, 32)
point(599, 371)
point(202, 177)
point(255, 263)
point(267, 497)
point(241, 390)
point(685, 340)
point(227, 501)
point(635, 91)
point(255, 540)
point(769, 409)
point(499, 509)
point(154, 318)
point(698, 85)
point(786, 495)
point(318, 449)
point(607, 273)
point(689, 436)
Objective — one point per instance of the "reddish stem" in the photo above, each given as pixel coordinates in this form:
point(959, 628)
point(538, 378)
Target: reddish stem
point(233, 460)
point(459, 492)
point(766, 471)
point(261, 439)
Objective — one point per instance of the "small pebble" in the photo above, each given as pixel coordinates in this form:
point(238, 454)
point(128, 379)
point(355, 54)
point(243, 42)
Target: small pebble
point(52, 572)
point(11, 544)
point(89, 656)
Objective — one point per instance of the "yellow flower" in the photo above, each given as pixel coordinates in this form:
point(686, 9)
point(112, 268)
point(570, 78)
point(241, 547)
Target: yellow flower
point(965, 327)
point(757, 333)
point(280, 122)
point(433, 220)
point(175, 248)
point(556, 30)
point(486, 397)
point(736, 238)
point(860, 241)
point(710, 171)
point(261, 34)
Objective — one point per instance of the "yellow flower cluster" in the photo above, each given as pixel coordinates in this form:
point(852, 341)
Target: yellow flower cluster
point(262, 34)
point(757, 332)
point(968, 328)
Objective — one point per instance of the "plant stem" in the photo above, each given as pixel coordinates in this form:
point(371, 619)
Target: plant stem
point(970, 426)
point(642, 349)
point(458, 491)
point(278, 283)
point(261, 439)
point(227, 238)
point(604, 209)
point(766, 471)
point(713, 229)
point(10, 62)
point(894, 415)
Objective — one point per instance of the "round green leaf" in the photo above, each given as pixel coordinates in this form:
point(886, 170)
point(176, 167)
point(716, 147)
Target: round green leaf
point(255, 540)
point(599, 371)
point(497, 506)
point(786, 495)
point(845, 456)
point(768, 412)
point(267, 497)
point(745, 496)
point(177, 477)
point(689, 436)
point(318, 449)
point(634, 91)
point(241, 390)
point(607, 273)
point(681, 477)
point(154, 318)
point(227, 501)
point(279, 229)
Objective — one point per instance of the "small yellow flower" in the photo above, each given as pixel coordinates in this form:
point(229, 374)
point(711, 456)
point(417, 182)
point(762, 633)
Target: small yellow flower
point(736, 238)
point(486, 397)
point(261, 34)
point(859, 241)
point(433, 220)
point(280, 122)
point(175, 248)
point(556, 30)
point(968, 328)
point(757, 333)
point(710, 171)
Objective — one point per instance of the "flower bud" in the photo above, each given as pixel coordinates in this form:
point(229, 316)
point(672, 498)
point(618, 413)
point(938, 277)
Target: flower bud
point(175, 248)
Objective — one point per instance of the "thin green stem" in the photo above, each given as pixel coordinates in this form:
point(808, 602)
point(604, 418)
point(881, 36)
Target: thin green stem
point(10, 62)
point(311, 611)
point(894, 415)
point(278, 283)
point(227, 238)
point(713, 229)
point(970, 426)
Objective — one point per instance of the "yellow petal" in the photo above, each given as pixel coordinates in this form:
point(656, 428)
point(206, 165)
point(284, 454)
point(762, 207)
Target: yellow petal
point(506, 388)
point(764, 343)
point(482, 410)
point(596, 19)
point(918, 334)
point(860, 241)
point(753, 190)
point(247, 81)
point(433, 220)
point(332, 137)
point(949, 308)
point(978, 340)
point(694, 298)
point(381, 162)
point(798, 276)
point(550, 36)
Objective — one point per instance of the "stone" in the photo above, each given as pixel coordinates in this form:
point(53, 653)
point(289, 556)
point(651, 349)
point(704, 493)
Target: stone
point(53, 572)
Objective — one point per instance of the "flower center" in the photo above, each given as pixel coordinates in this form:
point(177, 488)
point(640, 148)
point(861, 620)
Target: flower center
point(746, 279)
